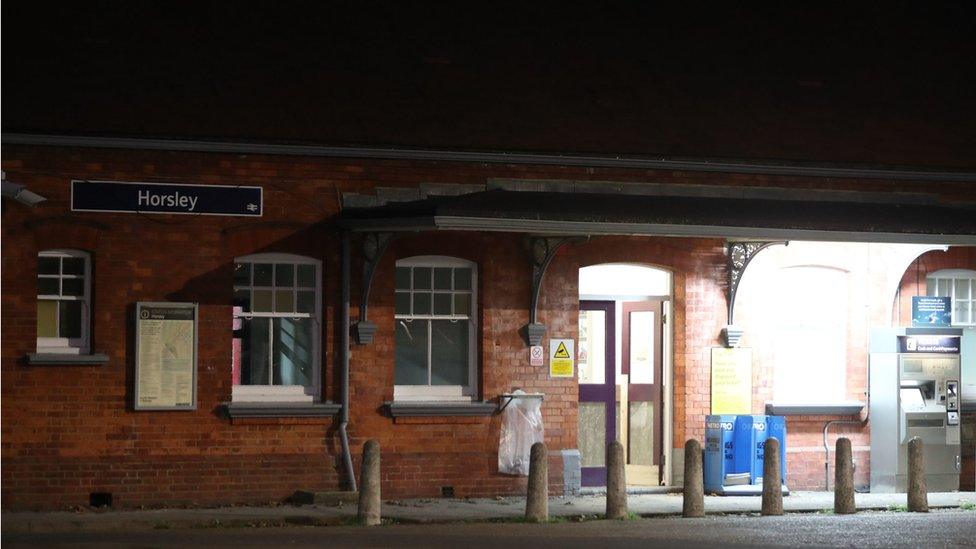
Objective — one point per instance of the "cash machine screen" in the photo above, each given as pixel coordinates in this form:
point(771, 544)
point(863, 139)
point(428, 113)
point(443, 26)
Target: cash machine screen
point(911, 397)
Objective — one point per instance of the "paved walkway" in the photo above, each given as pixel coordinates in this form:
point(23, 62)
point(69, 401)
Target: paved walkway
point(436, 510)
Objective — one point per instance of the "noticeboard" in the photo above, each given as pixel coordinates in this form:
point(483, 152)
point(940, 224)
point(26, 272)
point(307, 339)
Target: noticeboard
point(731, 380)
point(166, 356)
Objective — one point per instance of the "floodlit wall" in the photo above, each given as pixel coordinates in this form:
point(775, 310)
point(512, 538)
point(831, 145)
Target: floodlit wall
point(807, 310)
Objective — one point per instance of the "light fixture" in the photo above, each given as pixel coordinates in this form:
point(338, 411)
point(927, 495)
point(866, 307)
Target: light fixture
point(20, 193)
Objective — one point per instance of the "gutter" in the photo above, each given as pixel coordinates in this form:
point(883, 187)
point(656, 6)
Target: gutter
point(344, 350)
point(585, 228)
point(393, 153)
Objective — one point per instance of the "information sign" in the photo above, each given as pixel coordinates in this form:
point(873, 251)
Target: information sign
point(166, 198)
point(561, 362)
point(931, 311)
point(929, 344)
point(166, 356)
point(536, 355)
point(731, 381)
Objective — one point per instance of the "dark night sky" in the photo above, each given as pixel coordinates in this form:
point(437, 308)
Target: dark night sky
point(871, 84)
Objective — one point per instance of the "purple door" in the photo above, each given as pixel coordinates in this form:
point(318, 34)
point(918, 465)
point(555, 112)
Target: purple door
point(597, 389)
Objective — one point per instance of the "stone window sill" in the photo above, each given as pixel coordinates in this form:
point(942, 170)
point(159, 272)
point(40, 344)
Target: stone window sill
point(58, 359)
point(440, 409)
point(237, 410)
point(847, 408)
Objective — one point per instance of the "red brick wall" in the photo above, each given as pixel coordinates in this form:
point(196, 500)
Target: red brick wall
point(914, 283)
point(699, 312)
point(423, 454)
point(69, 430)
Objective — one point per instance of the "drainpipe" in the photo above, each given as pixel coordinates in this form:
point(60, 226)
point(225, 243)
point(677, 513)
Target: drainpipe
point(827, 447)
point(344, 350)
point(861, 422)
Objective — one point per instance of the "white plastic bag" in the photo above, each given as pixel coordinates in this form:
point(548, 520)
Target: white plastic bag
point(521, 428)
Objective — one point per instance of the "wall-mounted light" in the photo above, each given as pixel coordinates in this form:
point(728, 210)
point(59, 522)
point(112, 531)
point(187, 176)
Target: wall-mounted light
point(20, 193)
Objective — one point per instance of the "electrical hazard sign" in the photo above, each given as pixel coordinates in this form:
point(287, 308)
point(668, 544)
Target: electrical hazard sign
point(561, 362)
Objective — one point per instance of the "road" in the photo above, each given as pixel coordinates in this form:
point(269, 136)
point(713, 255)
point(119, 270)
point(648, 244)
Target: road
point(956, 528)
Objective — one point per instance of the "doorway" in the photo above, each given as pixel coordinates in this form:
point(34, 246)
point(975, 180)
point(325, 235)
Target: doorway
point(622, 355)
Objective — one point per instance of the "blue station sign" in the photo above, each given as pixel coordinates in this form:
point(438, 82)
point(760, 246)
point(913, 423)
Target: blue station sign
point(931, 311)
point(166, 198)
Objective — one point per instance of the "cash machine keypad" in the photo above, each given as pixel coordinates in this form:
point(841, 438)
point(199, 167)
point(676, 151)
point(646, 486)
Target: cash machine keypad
point(952, 402)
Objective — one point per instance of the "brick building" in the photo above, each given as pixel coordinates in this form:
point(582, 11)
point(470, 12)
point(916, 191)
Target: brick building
point(394, 292)
point(69, 424)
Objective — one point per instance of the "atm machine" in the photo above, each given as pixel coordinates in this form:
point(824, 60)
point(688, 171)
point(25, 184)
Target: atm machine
point(915, 383)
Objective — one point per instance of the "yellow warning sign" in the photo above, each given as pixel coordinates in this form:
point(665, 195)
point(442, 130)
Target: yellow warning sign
point(561, 351)
point(561, 362)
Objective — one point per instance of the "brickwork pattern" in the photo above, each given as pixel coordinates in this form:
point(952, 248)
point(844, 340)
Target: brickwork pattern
point(69, 430)
point(914, 283)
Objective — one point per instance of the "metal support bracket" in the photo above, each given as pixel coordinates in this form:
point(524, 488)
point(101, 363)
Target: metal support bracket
point(374, 246)
point(543, 250)
point(739, 256)
point(507, 398)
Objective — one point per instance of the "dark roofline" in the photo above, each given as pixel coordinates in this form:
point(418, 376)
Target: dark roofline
point(389, 153)
point(676, 216)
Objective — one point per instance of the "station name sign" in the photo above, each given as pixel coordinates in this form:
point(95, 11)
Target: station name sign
point(166, 198)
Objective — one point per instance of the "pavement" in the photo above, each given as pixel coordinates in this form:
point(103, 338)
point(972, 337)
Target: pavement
point(940, 528)
point(425, 511)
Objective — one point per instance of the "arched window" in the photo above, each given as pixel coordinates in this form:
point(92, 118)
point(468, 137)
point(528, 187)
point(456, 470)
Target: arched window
point(807, 312)
point(277, 328)
point(960, 285)
point(63, 301)
point(436, 327)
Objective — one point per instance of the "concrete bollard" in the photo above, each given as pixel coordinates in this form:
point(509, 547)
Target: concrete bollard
point(844, 478)
point(694, 492)
point(537, 498)
point(918, 499)
point(369, 485)
point(772, 492)
point(616, 482)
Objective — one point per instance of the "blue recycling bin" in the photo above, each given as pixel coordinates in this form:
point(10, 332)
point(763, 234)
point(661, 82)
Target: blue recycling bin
point(719, 458)
point(751, 433)
point(776, 428)
point(735, 449)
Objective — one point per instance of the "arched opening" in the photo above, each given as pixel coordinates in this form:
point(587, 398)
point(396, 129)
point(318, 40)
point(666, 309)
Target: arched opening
point(624, 363)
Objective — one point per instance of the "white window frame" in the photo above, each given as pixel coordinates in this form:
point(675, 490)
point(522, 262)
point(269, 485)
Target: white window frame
point(458, 393)
point(952, 275)
point(62, 345)
point(286, 393)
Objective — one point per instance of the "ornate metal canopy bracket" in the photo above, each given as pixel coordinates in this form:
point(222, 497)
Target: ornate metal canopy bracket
point(374, 246)
point(543, 251)
point(740, 254)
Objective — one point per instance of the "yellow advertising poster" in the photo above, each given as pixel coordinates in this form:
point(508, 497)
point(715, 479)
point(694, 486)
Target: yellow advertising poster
point(731, 381)
point(561, 363)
